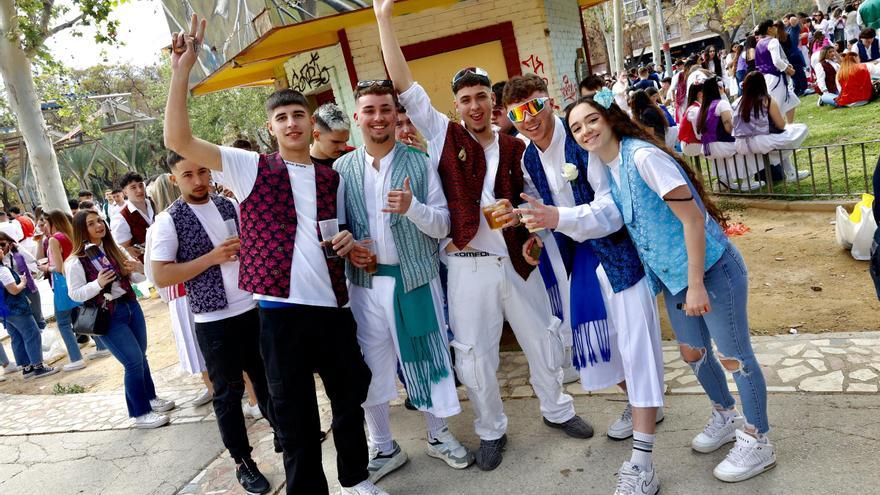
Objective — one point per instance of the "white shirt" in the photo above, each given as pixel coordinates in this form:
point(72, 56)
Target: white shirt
point(590, 221)
point(431, 218)
point(309, 278)
point(13, 230)
point(121, 230)
point(777, 55)
point(164, 244)
point(433, 126)
point(80, 290)
point(29, 260)
point(820, 74)
point(693, 114)
point(6, 277)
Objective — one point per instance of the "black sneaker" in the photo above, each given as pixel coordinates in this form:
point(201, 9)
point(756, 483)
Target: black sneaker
point(41, 370)
point(575, 427)
point(27, 372)
point(250, 478)
point(489, 455)
point(409, 405)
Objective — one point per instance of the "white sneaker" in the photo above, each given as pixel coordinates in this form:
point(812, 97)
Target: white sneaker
point(747, 459)
point(2, 378)
point(74, 365)
point(633, 481)
point(383, 464)
point(444, 446)
point(98, 354)
point(204, 397)
point(623, 427)
point(161, 405)
point(251, 411)
point(11, 368)
point(363, 488)
point(801, 175)
point(718, 432)
point(150, 420)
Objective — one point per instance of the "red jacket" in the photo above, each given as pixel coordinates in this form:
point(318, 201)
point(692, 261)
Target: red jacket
point(856, 88)
point(27, 226)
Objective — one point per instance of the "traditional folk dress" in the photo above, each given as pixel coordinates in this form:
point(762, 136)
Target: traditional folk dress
point(770, 60)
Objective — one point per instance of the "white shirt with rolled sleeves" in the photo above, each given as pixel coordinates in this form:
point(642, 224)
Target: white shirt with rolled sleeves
point(433, 125)
point(120, 228)
point(309, 278)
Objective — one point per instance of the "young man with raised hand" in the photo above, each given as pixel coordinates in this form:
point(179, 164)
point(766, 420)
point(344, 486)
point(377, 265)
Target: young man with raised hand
point(304, 327)
point(613, 313)
point(193, 243)
point(489, 278)
point(395, 200)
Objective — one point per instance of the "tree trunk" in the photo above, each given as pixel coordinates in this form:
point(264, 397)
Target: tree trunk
point(15, 69)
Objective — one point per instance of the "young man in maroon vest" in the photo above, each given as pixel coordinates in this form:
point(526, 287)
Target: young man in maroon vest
point(135, 217)
point(489, 278)
point(300, 291)
point(195, 242)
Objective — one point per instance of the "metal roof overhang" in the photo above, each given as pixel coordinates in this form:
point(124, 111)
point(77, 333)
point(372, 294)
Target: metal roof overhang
point(590, 3)
point(255, 65)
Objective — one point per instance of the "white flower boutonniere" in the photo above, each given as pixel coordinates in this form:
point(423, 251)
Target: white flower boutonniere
point(569, 172)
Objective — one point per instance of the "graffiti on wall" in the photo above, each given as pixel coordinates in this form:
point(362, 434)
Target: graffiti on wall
point(568, 90)
point(311, 76)
point(534, 64)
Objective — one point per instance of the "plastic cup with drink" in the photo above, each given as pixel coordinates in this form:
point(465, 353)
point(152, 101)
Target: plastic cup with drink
point(524, 217)
point(231, 230)
point(329, 229)
point(370, 245)
point(488, 210)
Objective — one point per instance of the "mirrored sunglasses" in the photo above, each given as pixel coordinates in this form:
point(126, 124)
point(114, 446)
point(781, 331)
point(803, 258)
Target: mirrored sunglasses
point(532, 107)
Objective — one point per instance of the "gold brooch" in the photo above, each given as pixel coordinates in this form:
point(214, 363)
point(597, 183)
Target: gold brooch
point(462, 155)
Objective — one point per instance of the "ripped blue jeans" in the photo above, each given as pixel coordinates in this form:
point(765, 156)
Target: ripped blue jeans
point(727, 325)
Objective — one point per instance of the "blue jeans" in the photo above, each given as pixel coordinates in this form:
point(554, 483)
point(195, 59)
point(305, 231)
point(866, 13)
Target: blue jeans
point(728, 326)
point(828, 99)
point(4, 359)
point(27, 347)
point(65, 328)
point(127, 341)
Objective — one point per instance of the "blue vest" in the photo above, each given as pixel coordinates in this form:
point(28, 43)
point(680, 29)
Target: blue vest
point(616, 252)
point(15, 304)
point(864, 55)
point(656, 231)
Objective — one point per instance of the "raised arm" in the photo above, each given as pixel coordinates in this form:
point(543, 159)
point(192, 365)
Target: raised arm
point(394, 60)
point(178, 133)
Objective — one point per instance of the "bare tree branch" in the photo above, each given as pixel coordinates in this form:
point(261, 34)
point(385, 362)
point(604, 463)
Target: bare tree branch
point(65, 25)
point(46, 16)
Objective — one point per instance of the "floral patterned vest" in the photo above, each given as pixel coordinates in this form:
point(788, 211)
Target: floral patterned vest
point(92, 274)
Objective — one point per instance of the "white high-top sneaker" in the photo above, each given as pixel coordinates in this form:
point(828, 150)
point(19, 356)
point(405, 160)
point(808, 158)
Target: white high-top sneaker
point(718, 432)
point(748, 458)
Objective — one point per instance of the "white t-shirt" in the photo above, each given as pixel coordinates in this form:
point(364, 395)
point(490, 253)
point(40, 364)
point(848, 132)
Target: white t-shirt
point(658, 170)
point(309, 277)
point(6, 277)
point(164, 245)
point(693, 114)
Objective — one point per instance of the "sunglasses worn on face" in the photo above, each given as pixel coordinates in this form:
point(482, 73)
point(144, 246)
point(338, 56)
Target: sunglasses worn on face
point(532, 107)
point(469, 70)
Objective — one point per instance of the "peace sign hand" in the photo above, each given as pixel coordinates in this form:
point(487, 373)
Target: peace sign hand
point(185, 46)
point(539, 216)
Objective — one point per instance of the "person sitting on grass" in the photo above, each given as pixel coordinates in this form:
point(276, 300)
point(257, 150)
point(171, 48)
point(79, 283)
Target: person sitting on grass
point(854, 82)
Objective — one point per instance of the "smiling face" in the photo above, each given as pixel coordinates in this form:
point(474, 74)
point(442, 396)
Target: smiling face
point(193, 180)
point(135, 191)
point(377, 117)
point(474, 104)
point(96, 227)
point(589, 127)
point(405, 131)
point(538, 128)
point(292, 127)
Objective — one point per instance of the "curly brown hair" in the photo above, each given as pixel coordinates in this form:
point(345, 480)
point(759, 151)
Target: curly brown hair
point(623, 126)
point(519, 88)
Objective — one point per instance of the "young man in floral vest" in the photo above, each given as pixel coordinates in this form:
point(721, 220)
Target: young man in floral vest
point(301, 293)
point(394, 198)
point(195, 242)
point(591, 262)
point(489, 278)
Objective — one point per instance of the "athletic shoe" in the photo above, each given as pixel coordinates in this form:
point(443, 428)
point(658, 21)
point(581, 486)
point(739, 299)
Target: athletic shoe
point(74, 365)
point(11, 368)
point(2, 378)
point(150, 420)
point(27, 372)
point(250, 478)
point(633, 481)
point(718, 432)
point(98, 354)
point(252, 411)
point(204, 397)
point(444, 446)
point(363, 488)
point(575, 427)
point(409, 405)
point(801, 175)
point(161, 405)
point(747, 459)
point(489, 455)
point(41, 370)
point(623, 427)
point(819, 101)
point(382, 464)
point(747, 185)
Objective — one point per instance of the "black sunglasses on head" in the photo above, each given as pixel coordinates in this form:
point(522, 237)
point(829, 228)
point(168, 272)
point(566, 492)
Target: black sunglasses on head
point(384, 83)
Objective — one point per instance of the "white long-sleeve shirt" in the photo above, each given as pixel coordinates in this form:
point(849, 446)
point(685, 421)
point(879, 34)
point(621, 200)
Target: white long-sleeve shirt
point(81, 290)
point(780, 61)
point(579, 222)
point(820, 74)
point(431, 217)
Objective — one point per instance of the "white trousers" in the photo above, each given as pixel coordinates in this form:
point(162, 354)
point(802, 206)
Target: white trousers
point(373, 310)
point(483, 292)
point(782, 94)
point(183, 328)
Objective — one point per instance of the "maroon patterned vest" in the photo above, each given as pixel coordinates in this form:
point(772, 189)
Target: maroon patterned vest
point(268, 229)
point(830, 77)
point(462, 169)
point(138, 225)
point(92, 274)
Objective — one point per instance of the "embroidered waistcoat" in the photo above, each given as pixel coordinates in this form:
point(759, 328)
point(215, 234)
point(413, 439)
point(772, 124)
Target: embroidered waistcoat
point(418, 252)
point(16, 304)
point(656, 232)
point(268, 217)
point(206, 290)
point(715, 131)
point(92, 274)
point(137, 223)
point(763, 58)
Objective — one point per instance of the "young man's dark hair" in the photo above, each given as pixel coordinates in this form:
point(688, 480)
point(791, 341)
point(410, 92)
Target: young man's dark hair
point(243, 144)
point(666, 79)
point(15, 210)
point(470, 79)
point(84, 194)
point(116, 190)
point(498, 89)
point(284, 97)
point(400, 108)
point(763, 27)
point(172, 159)
point(378, 88)
point(73, 204)
point(519, 88)
point(867, 34)
point(591, 83)
point(128, 178)
point(86, 205)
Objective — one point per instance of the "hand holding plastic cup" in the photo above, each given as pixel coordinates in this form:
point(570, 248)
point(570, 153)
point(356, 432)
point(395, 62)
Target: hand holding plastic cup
point(370, 245)
point(329, 229)
point(231, 230)
point(525, 217)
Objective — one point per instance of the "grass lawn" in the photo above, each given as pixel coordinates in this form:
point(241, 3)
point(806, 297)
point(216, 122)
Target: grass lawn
point(837, 129)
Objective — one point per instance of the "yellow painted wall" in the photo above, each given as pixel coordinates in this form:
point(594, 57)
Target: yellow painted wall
point(435, 73)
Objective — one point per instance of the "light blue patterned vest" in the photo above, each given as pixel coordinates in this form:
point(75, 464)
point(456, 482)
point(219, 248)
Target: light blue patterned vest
point(659, 235)
point(418, 252)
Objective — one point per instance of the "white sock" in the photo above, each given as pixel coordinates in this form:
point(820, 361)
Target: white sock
point(643, 450)
point(379, 426)
point(435, 425)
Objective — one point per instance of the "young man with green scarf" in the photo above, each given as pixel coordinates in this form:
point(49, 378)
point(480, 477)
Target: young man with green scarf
point(395, 199)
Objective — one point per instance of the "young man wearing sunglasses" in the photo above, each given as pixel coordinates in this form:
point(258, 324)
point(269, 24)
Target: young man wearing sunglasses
point(612, 314)
point(300, 288)
point(489, 278)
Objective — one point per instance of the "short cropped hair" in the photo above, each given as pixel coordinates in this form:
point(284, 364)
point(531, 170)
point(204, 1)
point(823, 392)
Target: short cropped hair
point(867, 34)
point(284, 97)
point(128, 178)
point(591, 83)
point(72, 203)
point(376, 89)
point(15, 210)
point(331, 118)
point(521, 87)
point(172, 159)
point(469, 80)
point(84, 193)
